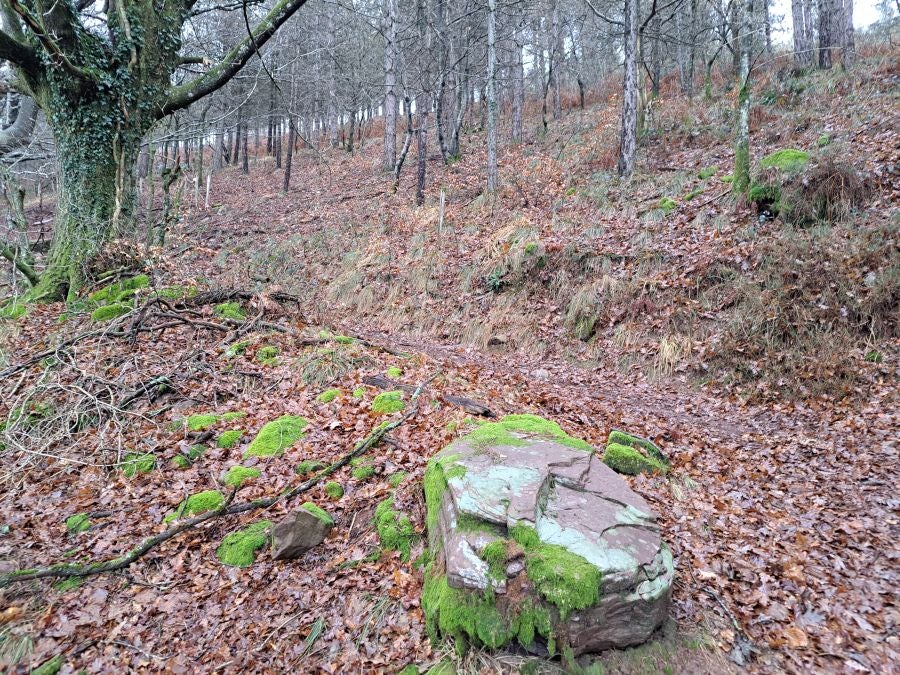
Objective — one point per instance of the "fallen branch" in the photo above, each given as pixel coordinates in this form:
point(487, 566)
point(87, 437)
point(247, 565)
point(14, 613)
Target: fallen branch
point(227, 508)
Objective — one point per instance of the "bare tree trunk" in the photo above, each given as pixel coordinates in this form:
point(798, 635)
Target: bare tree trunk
point(245, 167)
point(518, 89)
point(767, 23)
point(276, 141)
point(741, 181)
point(848, 38)
point(491, 96)
point(826, 8)
point(557, 54)
point(289, 159)
point(802, 38)
point(628, 147)
point(217, 145)
point(390, 85)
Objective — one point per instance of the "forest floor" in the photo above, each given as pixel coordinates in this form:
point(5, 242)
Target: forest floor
point(781, 508)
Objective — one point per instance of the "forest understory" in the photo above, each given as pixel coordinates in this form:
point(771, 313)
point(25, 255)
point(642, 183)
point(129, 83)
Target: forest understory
point(760, 355)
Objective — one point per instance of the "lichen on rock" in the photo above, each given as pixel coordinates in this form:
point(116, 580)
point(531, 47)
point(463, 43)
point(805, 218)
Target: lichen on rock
point(238, 549)
point(276, 436)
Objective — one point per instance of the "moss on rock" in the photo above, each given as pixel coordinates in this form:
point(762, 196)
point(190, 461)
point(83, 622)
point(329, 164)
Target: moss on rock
point(333, 490)
point(137, 462)
point(630, 461)
point(13, 310)
point(119, 290)
point(667, 204)
point(363, 468)
point(318, 512)
point(388, 402)
point(238, 549)
point(276, 436)
point(395, 530)
point(181, 462)
point(328, 395)
point(237, 349)
point(198, 503)
point(228, 439)
point(234, 415)
point(706, 172)
point(79, 522)
point(237, 475)
point(515, 429)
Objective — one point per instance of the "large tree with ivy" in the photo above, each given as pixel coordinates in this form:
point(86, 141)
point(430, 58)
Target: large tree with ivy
point(103, 78)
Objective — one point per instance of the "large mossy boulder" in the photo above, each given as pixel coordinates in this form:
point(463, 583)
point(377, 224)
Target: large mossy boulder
point(533, 539)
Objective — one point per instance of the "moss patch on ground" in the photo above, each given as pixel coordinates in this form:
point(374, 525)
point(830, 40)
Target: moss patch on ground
point(50, 667)
point(239, 548)
point(362, 467)
point(79, 522)
point(119, 290)
point(328, 395)
point(388, 402)
point(395, 530)
point(318, 512)
point(268, 355)
point(333, 490)
point(228, 439)
point(137, 462)
point(110, 312)
point(230, 310)
point(396, 478)
point(787, 160)
point(395, 372)
point(359, 392)
point(202, 422)
point(308, 466)
point(238, 474)
point(511, 429)
point(13, 310)
point(276, 436)
point(198, 503)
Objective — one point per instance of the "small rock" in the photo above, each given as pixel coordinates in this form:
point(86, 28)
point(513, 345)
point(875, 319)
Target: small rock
point(514, 568)
point(499, 339)
point(540, 374)
point(296, 534)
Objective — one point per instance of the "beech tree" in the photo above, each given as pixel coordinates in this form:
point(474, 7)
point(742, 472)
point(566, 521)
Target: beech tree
point(102, 80)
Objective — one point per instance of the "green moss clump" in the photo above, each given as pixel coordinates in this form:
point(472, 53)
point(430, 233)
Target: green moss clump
point(109, 312)
point(328, 395)
point(177, 292)
point(495, 555)
point(823, 141)
point(268, 355)
point(363, 472)
point(359, 392)
point(627, 460)
point(648, 447)
point(237, 349)
point(230, 310)
point(119, 290)
point(395, 530)
point(667, 204)
point(308, 466)
point(531, 247)
point(13, 310)
point(201, 422)
point(693, 193)
point(276, 436)
point(728, 178)
point(68, 583)
point(524, 536)
point(238, 474)
point(238, 549)
point(764, 194)
point(228, 439)
point(388, 402)
point(80, 522)
point(318, 512)
point(396, 478)
point(333, 490)
point(181, 462)
point(394, 372)
point(50, 667)
point(234, 415)
point(461, 614)
point(201, 502)
point(409, 670)
point(788, 160)
point(195, 451)
point(434, 485)
point(706, 172)
point(503, 433)
point(563, 578)
point(137, 462)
